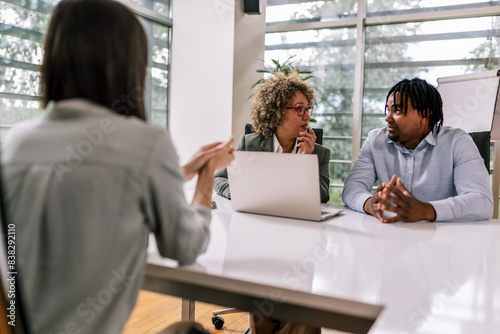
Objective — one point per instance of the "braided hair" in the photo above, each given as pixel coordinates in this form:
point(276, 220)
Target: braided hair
point(423, 97)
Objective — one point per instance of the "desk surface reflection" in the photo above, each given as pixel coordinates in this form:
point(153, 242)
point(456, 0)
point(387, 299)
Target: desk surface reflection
point(427, 277)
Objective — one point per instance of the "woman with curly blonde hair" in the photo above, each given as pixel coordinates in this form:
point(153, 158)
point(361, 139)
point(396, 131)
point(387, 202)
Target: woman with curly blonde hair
point(280, 116)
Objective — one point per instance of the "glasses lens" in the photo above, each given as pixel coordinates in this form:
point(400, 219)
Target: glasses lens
point(301, 111)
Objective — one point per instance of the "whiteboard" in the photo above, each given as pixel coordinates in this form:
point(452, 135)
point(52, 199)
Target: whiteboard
point(469, 100)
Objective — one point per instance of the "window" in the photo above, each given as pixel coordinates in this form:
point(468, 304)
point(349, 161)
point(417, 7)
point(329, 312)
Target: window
point(289, 11)
point(20, 55)
point(23, 25)
point(157, 81)
point(398, 39)
point(428, 50)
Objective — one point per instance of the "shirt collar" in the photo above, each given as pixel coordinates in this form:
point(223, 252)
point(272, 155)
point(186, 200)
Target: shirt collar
point(277, 146)
point(430, 139)
point(74, 108)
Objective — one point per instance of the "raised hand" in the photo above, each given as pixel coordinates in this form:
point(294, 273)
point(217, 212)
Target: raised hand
point(306, 142)
point(221, 152)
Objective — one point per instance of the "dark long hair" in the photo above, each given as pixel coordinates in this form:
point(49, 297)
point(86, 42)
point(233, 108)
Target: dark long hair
point(95, 50)
point(423, 97)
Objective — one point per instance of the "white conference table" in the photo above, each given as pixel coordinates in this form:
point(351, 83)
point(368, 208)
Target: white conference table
point(350, 273)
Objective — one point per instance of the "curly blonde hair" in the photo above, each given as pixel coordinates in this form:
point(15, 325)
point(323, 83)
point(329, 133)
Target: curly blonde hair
point(271, 98)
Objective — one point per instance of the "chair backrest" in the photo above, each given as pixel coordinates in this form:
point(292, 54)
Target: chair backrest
point(482, 141)
point(317, 131)
point(9, 276)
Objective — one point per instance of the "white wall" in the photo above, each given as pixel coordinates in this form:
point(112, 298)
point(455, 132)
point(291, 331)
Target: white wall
point(201, 86)
point(215, 52)
point(249, 47)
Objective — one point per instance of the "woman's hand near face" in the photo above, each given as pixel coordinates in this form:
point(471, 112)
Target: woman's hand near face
point(306, 142)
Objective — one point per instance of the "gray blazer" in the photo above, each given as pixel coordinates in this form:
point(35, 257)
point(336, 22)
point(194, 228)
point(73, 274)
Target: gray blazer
point(257, 143)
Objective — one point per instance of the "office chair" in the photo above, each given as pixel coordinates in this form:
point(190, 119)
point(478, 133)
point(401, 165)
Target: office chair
point(482, 141)
point(317, 131)
point(218, 321)
point(21, 326)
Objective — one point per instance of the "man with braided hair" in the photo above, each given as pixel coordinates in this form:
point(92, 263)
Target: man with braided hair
point(426, 171)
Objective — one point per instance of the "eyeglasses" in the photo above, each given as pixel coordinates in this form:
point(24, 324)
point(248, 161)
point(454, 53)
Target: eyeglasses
point(302, 110)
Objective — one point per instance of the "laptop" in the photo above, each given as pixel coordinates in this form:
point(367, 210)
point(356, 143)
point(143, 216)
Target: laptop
point(277, 184)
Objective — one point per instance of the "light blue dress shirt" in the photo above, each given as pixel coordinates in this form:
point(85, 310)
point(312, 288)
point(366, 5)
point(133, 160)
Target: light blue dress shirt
point(445, 170)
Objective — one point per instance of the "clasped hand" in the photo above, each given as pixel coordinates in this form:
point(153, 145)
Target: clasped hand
point(394, 197)
point(219, 155)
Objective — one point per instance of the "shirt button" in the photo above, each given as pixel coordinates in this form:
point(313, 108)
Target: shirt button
point(409, 172)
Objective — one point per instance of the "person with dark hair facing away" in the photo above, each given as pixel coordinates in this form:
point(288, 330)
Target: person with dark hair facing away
point(426, 171)
point(87, 181)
